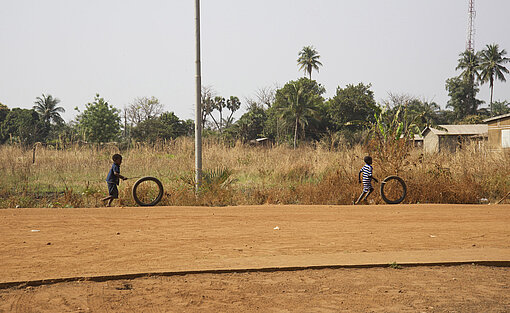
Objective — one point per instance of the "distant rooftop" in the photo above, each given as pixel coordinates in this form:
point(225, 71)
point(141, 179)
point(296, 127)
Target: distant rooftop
point(455, 130)
point(496, 118)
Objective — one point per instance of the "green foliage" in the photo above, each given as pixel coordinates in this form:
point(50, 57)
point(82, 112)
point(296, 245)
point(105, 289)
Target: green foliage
point(390, 135)
point(4, 110)
point(218, 104)
point(395, 266)
point(47, 108)
point(62, 133)
point(473, 119)
point(309, 60)
point(297, 102)
point(491, 66)
point(212, 103)
point(165, 126)
point(212, 179)
point(142, 109)
point(500, 107)
point(352, 103)
point(250, 125)
point(423, 113)
point(100, 122)
point(462, 97)
point(469, 63)
point(23, 126)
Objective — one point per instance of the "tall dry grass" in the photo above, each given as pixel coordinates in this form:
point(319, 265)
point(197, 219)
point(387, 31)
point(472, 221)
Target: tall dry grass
point(312, 174)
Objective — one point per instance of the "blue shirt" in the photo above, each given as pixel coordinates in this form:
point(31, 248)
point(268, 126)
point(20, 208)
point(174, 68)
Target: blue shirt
point(112, 178)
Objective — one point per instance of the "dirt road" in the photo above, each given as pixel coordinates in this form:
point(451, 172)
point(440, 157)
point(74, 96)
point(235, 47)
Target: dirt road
point(37, 244)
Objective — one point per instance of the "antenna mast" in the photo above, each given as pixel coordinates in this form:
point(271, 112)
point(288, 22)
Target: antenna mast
point(470, 42)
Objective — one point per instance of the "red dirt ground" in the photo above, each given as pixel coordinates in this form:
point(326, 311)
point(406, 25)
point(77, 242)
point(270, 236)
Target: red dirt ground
point(37, 244)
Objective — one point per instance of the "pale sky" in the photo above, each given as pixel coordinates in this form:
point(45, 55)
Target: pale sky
point(123, 49)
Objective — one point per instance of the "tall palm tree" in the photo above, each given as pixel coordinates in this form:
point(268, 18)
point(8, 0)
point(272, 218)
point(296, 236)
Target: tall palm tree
point(469, 62)
point(309, 60)
point(47, 108)
point(491, 66)
point(300, 106)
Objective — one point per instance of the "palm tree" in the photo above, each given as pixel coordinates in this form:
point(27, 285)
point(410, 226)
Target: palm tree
point(309, 60)
point(47, 108)
point(300, 106)
point(491, 66)
point(469, 62)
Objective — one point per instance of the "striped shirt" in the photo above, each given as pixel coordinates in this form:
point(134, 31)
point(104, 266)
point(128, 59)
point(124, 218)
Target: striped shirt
point(366, 171)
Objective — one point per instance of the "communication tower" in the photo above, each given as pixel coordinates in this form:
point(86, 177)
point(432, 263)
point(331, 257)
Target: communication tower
point(470, 42)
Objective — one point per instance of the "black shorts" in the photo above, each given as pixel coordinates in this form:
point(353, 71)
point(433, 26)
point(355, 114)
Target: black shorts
point(113, 191)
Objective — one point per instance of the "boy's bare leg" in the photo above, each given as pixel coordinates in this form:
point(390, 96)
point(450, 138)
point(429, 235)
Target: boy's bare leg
point(110, 201)
point(360, 197)
point(106, 199)
point(368, 194)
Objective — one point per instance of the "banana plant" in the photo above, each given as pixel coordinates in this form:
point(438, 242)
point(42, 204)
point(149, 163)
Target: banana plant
point(388, 136)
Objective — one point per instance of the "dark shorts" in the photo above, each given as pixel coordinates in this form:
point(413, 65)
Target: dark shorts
point(113, 191)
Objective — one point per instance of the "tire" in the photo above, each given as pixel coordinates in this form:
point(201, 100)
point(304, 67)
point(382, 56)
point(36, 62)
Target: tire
point(152, 201)
point(402, 185)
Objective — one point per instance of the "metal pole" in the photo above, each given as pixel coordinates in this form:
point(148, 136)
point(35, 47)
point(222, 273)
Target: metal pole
point(198, 105)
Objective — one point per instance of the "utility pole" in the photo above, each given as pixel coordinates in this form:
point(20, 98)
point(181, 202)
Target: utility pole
point(198, 105)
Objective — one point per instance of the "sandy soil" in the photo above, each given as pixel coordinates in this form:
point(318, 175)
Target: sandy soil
point(464, 288)
point(54, 243)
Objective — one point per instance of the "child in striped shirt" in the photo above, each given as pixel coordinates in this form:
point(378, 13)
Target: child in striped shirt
point(366, 173)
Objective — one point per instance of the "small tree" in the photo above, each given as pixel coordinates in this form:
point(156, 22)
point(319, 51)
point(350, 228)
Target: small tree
point(427, 111)
point(297, 102)
point(352, 103)
point(100, 122)
point(462, 97)
point(389, 136)
point(500, 107)
point(24, 126)
point(142, 109)
point(251, 124)
point(207, 98)
point(233, 104)
point(220, 104)
point(4, 110)
point(166, 126)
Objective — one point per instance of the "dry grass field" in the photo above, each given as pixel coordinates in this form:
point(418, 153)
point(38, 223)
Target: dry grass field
point(312, 174)
point(81, 240)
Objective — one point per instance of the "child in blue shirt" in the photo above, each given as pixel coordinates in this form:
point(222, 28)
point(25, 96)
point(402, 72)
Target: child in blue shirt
point(113, 180)
point(366, 173)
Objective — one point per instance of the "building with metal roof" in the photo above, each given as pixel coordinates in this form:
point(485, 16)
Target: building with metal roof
point(452, 137)
point(499, 131)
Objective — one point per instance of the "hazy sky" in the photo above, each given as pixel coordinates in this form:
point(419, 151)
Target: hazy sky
point(123, 49)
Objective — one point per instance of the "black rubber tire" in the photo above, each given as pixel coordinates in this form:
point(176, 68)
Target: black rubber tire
point(157, 199)
point(402, 183)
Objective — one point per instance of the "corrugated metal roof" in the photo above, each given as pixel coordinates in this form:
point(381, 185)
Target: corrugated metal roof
point(499, 117)
point(418, 137)
point(450, 130)
point(415, 137)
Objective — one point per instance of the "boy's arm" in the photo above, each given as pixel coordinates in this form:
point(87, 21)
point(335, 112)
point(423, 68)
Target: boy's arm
point(359, 177)
point(374, 179)
point(119, 176)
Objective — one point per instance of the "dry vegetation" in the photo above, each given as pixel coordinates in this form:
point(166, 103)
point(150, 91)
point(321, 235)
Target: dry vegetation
point(75, 177)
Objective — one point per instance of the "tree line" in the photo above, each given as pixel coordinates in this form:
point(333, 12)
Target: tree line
point(295, 112)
